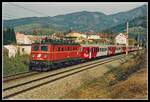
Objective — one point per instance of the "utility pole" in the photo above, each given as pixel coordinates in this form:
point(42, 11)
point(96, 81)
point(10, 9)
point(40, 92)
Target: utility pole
point(127, 40)
point(86, 38)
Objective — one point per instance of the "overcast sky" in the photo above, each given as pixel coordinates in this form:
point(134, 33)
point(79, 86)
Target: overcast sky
point(13, 10)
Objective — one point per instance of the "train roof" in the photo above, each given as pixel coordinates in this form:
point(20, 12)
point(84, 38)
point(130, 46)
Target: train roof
point(98, 45)
point(57, 42)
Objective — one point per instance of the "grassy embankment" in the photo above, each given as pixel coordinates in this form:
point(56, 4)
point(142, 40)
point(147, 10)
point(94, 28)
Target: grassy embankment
point(15, 64)
point(128, 81)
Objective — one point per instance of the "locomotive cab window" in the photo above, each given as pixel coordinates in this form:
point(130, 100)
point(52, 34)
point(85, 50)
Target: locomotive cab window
point(35, 48)
point(44, 48)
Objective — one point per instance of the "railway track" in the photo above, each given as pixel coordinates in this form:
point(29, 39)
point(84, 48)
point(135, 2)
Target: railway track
point(29, 73)
point(35, 81)
point(17, 76)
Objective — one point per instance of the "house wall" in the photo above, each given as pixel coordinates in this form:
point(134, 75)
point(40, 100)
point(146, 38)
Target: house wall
point(120, 39)
point(16, 49)
point(12, 50)
point(24, 50)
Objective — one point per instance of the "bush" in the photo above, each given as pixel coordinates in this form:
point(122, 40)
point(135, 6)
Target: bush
point(15, 64)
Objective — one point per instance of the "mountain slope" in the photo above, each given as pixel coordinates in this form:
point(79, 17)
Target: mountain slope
point(139, 21)
point(137, 27)
point(78, 21)
point(83, 21)
point(130, 15)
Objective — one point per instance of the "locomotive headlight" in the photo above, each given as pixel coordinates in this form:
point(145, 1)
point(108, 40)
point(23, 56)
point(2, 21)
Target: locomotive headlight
point(39, 55)
point(33, 55)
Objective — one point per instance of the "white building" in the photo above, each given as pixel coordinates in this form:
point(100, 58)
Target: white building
point(93, 37)
point(23, 39)
point(121, 39)
point(77, 34)
point(14, 49)
point(24, 49)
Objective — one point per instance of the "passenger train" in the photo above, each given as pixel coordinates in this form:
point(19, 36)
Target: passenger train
point(49, 53)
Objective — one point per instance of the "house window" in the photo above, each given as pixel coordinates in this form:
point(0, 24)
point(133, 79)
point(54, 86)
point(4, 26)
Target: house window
point(22, 49)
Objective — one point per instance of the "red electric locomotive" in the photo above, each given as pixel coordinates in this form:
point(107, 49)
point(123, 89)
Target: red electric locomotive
point(50, 52)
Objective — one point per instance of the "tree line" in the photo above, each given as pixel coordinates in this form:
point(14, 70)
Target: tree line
point(9, 36)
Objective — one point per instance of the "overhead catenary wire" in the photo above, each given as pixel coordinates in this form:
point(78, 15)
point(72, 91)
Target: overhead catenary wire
point(19, 6)
point(9, 15)
point(28, 9)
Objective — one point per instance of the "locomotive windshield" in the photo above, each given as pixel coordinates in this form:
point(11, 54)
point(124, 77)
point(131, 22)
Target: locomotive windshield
point(44, 48)
point(36, 47)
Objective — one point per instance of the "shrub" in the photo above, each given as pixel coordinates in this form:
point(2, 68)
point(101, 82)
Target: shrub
point(15, 64)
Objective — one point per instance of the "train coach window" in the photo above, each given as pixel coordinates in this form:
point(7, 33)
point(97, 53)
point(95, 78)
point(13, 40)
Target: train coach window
point(44, 48)
point(105, 49)
point(102, 49)
point(118, 48)
point(96, 49)
point(36, 47)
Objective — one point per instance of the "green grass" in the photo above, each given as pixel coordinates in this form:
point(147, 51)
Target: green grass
point(15, 64)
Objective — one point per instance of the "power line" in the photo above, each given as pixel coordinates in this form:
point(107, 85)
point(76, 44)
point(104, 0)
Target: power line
point(28, 9)
point(10, 15)
point(7, 16)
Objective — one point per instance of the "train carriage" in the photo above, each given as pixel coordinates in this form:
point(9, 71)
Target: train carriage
point(89, 52)
point(102, 51)
point(111, 50)
point(118, 50)
point(130, 48)
point(123, 49)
